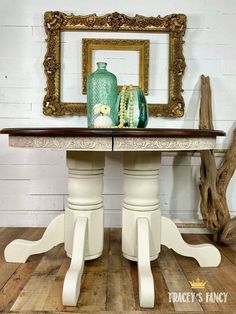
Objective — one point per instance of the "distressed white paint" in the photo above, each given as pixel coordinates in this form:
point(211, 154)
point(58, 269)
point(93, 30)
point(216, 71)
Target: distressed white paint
point(210, 48)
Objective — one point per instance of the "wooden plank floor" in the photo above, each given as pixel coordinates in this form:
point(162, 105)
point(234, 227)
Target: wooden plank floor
point(110, 283)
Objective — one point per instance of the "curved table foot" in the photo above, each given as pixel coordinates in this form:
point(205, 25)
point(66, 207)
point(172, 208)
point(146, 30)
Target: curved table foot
point(146, 284)
point(71, 287)
point(207, 255)
point(19, 250)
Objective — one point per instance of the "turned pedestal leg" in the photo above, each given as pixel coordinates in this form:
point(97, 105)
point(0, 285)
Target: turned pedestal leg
point(81, 227)
point(141, 217)
point(83, 217)
point(144, 230)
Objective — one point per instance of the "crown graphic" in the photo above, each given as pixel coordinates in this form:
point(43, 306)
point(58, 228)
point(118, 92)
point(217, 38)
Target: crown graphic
point(198, 284)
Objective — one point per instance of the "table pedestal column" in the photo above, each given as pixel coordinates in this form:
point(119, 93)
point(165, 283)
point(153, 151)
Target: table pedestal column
point(83, 217)
point(143, 228)
point(141, 221)
point(81, 227)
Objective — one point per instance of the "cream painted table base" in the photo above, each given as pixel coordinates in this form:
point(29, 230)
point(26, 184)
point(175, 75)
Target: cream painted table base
point(81, 227)
point(143, 228)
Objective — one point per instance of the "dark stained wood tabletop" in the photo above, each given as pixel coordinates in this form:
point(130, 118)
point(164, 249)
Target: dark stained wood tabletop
point(111, 132)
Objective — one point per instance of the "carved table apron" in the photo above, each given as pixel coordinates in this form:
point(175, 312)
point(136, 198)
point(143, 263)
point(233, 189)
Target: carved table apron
point(143, 227)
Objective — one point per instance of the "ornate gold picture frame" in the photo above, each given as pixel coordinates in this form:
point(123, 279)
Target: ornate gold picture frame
point(57, 22)
point(141, 46)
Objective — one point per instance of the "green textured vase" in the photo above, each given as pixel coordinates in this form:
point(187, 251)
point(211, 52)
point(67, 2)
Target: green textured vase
point(140, 110)
point(101, 89)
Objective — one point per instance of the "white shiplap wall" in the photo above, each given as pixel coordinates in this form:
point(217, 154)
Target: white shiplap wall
point(33, 183)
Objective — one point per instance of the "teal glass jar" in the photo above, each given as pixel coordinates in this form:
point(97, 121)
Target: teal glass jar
point(136, 108)
point(101, 91)
point(139, 118)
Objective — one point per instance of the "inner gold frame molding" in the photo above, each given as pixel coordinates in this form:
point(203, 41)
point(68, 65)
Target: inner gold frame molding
point(56, 22)
point(141, 46)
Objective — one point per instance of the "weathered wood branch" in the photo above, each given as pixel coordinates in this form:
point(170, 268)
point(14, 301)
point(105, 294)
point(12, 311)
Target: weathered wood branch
point(227, 166)
point(214, 181)
point(205, 104)
point(225, 173)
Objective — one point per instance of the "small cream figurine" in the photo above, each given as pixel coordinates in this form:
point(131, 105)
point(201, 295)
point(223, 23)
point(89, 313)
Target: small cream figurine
point(103, 119)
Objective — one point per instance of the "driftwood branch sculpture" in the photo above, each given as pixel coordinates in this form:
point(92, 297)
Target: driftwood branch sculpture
point(215, 180)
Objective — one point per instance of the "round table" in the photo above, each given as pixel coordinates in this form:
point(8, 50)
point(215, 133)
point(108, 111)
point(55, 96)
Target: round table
point(143, 227)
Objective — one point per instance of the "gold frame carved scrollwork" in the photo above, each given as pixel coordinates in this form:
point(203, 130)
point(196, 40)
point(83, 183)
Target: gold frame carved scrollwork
point(56, 22)
point(141, 46)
